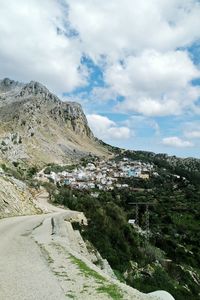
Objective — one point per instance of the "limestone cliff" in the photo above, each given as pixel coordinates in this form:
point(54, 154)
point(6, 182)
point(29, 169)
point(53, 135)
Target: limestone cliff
point(37, 127)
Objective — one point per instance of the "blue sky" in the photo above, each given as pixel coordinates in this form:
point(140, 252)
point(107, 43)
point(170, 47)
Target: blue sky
point(134, 65)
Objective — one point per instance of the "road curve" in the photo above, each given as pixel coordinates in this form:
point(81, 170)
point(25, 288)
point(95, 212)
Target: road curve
point(24, 272)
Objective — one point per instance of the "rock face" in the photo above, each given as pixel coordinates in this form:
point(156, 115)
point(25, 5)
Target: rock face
point(15, 198)
point(36, 126)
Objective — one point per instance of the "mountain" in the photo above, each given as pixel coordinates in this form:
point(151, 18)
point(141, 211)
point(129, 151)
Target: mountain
point(37, 127)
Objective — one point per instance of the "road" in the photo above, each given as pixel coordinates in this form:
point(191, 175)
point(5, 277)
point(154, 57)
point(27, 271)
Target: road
point(24, 273)
point(36, 265)
point(33, 263)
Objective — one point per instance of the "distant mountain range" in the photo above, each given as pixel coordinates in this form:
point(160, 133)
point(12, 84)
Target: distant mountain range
point(38, 128)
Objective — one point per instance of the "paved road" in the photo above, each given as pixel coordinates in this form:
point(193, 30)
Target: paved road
point(24, 272)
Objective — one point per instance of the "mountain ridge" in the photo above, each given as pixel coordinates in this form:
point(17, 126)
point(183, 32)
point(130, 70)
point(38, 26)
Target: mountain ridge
point(36, 126)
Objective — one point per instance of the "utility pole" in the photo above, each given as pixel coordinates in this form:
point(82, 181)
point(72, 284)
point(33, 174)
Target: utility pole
point(147, 221)
point(137, 214)
point(137, 204)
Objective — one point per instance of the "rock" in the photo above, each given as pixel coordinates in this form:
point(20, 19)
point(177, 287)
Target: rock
point(161, 295)
point(39, 128)
point(7, 84)
point(34, 88)
point(15, 198)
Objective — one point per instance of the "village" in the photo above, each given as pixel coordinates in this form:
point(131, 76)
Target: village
point(99, 174)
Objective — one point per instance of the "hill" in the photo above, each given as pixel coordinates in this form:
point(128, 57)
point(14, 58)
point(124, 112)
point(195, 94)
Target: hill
point(161, 249)
point(37, 127)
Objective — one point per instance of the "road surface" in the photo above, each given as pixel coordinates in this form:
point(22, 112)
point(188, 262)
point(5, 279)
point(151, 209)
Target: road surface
point(36, 265)
point(24, 273)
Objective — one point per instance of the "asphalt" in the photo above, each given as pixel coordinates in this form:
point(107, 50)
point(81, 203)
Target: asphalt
point(24, 272)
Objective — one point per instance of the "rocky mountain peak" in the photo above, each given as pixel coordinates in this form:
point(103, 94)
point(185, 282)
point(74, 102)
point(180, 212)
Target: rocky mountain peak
point(35, 125)
point(34, 88)
point(8, 84)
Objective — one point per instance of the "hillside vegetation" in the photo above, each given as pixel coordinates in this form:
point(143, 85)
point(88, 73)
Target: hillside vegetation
point(170, 258)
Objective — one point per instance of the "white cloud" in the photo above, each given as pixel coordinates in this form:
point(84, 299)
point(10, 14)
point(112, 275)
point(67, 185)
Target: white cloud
point(102, 94)
point(155, 83)
point(104, 128)
point(31, 48)
point(174, 141)
point(138, 40)
point(135, 43)
point(194, 134)
point(191, 129)
point(117, 27)
point(138, 122)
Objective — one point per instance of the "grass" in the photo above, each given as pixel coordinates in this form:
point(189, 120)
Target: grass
point(112, 290)
point(86, 270)
point(105, 287)
point(70, 296)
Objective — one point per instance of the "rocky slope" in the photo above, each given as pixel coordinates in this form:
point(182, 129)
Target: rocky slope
point(37, 127)
point(15, 198)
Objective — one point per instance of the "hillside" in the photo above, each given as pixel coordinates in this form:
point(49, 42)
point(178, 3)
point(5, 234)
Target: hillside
point(161, 249)
point(37, 127)
point(15, 198)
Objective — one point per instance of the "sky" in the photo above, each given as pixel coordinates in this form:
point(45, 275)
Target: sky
point(134, 65)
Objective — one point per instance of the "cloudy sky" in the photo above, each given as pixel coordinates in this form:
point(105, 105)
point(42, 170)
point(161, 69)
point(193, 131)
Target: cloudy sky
point(134, 65)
